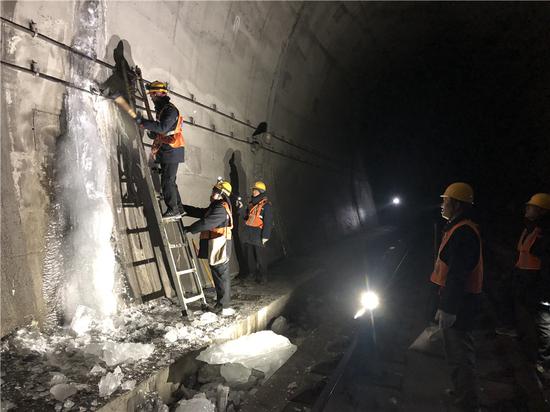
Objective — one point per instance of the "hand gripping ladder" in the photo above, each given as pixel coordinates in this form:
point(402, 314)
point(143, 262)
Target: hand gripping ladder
point(182, 259)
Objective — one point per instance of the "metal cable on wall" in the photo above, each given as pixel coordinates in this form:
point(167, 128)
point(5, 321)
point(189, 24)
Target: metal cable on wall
point(32, 30)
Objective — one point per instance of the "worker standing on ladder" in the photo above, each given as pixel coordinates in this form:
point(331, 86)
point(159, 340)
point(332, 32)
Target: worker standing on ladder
point(215, 225)
point(168, 145)
point(257, 231)
point(458, 272)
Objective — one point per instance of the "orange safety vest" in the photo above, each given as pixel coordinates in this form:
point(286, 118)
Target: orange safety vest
point(220, 231)
point(474, 281)
point(526, 260)
point(173, 138)
point(254, 215)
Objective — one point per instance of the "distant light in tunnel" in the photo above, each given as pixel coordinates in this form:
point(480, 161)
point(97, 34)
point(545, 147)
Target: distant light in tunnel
point(396, 201)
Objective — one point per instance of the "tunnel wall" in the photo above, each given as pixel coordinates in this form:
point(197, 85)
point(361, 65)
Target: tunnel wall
point(280, 62)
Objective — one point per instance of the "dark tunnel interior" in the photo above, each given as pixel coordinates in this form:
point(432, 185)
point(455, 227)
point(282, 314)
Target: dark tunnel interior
point(456, 92)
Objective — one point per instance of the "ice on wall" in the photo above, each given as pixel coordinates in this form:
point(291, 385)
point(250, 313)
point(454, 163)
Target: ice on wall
point(80, 266)
point(264, 351)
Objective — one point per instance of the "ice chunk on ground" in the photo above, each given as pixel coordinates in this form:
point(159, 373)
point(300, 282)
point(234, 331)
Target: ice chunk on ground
point(196, 405)
point(228, 312)
point(57, 378)
point(7, 405)
point(221, 396)
point(205, 319)
point(110, 382)
point(264, 351)
point(128, 385)
point(68, 404)
point(62, 391)
point(113, 353)
point(82, 320)
point(235, 373)
point(176, 333)
point(97, 370)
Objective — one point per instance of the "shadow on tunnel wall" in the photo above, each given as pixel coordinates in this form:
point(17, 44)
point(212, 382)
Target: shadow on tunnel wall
point(237, 177)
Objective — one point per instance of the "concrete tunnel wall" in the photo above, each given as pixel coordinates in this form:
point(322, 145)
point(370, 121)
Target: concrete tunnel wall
point(284, 63)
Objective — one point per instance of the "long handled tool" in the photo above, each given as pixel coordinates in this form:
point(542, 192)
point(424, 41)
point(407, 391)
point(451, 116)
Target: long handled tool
point(123, 104)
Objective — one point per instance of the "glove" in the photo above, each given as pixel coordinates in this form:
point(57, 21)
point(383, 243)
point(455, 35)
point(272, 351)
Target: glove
point(264, 241)
point(139, 118)
point(445, 320)
point(239, 203)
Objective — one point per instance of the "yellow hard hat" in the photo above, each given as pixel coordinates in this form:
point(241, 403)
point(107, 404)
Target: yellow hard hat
point(157, 87)
point(224, 187)
point(460, 191)
point(541, 200)
point(259, 185)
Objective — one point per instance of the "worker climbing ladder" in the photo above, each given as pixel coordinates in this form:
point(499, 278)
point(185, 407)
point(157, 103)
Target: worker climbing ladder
point(182, 260)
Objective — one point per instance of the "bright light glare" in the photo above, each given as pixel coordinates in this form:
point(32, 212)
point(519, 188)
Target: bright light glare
point(396, 201)
point(369, 301)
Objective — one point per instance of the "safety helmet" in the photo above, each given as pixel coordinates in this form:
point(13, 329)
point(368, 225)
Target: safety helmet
point(224, 187)
point(460, 191)
point(541, 200)
point(259, 185)
point(157, 87)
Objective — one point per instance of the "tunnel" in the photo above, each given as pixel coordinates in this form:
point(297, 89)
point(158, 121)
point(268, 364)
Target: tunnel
point(355, 115)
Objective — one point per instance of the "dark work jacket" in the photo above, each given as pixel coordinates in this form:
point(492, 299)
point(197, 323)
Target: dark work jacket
point(167, 122)
point(461, 254)
point(533, 286)
point(211, 217)
point(254, 235)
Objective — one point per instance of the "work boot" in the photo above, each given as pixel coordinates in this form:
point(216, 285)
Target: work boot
point(217, 308)
point(171, 214)
point(181, 210)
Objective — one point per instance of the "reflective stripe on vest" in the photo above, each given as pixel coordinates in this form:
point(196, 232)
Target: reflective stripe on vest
point(474, 281)
point(526, 260)
point(220, 231)
point(173, 138)
point(255, 214)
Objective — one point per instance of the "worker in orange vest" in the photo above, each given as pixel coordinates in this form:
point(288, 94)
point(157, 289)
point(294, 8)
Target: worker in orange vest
point(258, 223)
point(458, 273)
point(168, 145)
point(215, 228)
point(531, 283)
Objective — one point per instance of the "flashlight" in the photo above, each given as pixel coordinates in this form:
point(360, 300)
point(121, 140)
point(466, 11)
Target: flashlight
point(396, 201)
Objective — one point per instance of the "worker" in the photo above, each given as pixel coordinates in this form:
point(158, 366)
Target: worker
point(258, 221)
point(532, 280)
point(168, 145)
point(458, 273)
point(215, 225)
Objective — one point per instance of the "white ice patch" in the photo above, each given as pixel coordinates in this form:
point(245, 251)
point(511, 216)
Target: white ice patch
point(196, 405)
point(235, 373)
point(110, 382)
point(113, 353)
point(62, 391)
point(82, 320)
point(264, 351)
point(174, 334)
point(12, 44)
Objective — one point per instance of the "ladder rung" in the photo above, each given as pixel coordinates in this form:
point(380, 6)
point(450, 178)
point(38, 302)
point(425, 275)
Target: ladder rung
point(137, 230)
point(186, 271)
point(175, 245)
point(193, 299)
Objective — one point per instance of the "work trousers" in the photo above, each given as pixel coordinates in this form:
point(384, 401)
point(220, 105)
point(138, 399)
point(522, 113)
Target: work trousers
point(534, 328)
point(460, 353)
point(256, 261)
point(222, 282)
point(170, 193)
